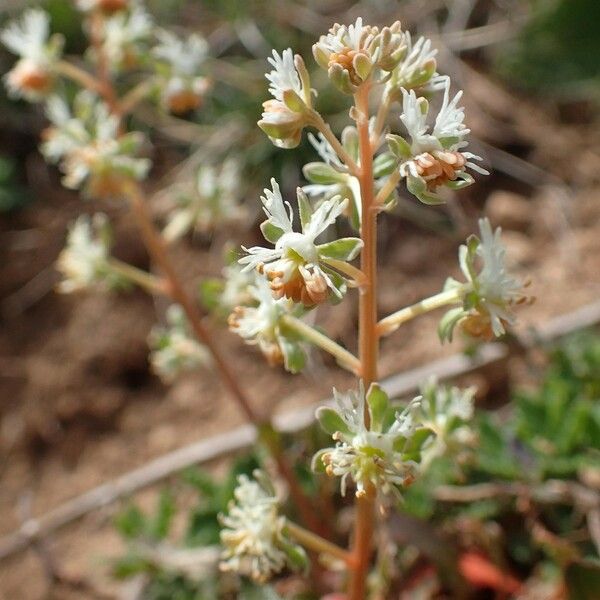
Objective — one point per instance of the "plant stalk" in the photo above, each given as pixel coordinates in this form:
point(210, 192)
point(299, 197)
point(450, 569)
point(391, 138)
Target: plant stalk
point(368, 341)
point(316, 543)
point(390, 323)
point(147, 281)
point(318, 122)
point(346, 359)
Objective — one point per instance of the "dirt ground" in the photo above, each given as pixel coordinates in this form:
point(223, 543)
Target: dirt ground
point(80, 406)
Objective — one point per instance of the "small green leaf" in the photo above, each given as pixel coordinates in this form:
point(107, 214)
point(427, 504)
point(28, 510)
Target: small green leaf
point(317, 464)
point(270, 231)
point(294, 357)
point(304, 207)
point(331, 422)
point(322, 173)
point(378, 402)
point(384, 164)
point(342, 249)
point(448, 322)
point(398, 146)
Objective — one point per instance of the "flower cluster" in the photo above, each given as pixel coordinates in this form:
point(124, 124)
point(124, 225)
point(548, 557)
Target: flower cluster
point(372, 456)
point(89, 147)
point(297, 267)
point(253, 534)
point(179, 61)
point(434, 157)
point(259, 323)
point(33, 75)
point(489, 293)
point(84, 262)
point(174, 350)
point(289, 111)
point(387, 454)
point(350, 54)
point(213, 201)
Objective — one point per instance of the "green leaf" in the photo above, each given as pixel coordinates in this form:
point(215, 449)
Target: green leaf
point(378, 402)
point(322, 173)
point(270, 232)
point(294, 357)
point(384, 164)
point(448, 322)
point(210, 291)
point(304, 207)
point(342, 249)
point(161, 523)
point(331, 422)
point(398, 146)
point(131, 523)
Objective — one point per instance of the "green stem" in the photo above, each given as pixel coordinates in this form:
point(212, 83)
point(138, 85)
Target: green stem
point(382, 113)
point(345, 358)
point(393, 321)
point(358, 277)
point(316, 543)
point(151, 283)
point(388, 188)
point(318, 122)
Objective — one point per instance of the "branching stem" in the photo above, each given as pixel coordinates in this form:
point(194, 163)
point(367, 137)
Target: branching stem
point(147, 281)
point(346, 359)
point(316, 543)
point(319, 123)
point(390, 323)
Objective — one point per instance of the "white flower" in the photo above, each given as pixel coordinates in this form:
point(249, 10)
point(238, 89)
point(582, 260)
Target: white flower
point(259, 324)
point(349, 53)
point(214, 201)
point(445, 411)
point(435, 156)
point(33, 76)
point(416, 69)
point(490, 293)
point(182, 87)
point(288, 113)
point(296, 267)
point(236, 291)
point(253, 534)
point(89, 147)
point(173, 349)
point(496, 290)
point(124, 33)
point(84, 260)
point(371, 456)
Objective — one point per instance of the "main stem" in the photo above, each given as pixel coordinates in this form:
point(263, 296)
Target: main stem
point(368, 343)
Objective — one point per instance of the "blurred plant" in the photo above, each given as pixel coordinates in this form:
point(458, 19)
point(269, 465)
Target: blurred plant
point(174, 350)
